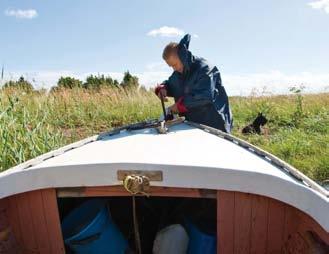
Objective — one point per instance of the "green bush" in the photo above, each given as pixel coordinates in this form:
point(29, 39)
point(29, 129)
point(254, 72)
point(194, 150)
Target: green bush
point(20, 84)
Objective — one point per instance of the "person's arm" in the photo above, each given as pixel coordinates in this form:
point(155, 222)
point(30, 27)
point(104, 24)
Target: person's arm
point(201, 92)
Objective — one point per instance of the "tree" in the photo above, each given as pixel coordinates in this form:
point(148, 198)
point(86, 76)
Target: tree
point(20, 84)
point(129, 81)
point(68, 82)
point(99, 81)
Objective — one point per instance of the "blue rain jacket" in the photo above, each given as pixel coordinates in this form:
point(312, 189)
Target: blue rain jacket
point(201, 87)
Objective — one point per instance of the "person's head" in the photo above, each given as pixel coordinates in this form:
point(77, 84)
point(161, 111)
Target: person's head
point(170, 55)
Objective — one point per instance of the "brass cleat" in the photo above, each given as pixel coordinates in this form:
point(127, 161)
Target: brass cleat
point(137, 184)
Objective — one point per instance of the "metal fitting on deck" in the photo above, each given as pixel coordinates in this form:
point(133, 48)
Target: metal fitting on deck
point(137, 184)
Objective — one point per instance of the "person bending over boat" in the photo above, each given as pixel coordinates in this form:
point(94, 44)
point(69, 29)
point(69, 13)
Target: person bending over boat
point(196, 87)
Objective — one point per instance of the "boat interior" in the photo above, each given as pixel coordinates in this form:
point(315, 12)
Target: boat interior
point(153, 214)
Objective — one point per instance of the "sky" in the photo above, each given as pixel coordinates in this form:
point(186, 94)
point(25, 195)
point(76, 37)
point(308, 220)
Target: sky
point(264, 46)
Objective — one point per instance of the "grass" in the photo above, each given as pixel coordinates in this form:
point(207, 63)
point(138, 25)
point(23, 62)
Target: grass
point(34, 123)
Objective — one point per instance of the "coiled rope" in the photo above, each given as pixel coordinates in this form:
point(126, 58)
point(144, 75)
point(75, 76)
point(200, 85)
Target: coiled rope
point(136, 184)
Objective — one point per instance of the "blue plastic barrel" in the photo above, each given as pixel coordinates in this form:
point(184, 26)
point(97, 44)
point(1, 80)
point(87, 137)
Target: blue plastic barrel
point(199, 242)
point(89, 229)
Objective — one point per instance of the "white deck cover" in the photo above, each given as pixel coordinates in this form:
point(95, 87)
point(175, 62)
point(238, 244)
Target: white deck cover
point(187, 156)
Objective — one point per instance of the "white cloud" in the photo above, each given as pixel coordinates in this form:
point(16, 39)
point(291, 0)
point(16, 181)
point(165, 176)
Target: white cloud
point(166, 31)
point(22, 14)
point(272, 82)
point(320, 4)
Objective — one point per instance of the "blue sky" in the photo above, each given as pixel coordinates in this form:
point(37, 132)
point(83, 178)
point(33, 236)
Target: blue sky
point(274, 44)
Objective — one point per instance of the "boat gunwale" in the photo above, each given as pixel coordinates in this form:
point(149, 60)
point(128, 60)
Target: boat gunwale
point(280, 164)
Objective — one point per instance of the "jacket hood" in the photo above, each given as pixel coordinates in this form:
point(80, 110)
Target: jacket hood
point(184, 54)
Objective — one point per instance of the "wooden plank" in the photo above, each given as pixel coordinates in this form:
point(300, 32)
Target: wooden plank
point(39, 221)
point(13, 217)
point(242, 222)
point(307, 223)
point(181, 192)
point(4, 222)
point(259, 219)
point(296, 238)
point(290, 224)
point(311, 237)
point(25, 219)
point(113, 191)
point(3, 204)
point(52, 220)
point(3, 215)
point(5, 231)
point(225, 222)
point(275, 226)
point(71, 192)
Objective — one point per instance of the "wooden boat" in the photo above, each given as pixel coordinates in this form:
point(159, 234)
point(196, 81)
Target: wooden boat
point(263, 205)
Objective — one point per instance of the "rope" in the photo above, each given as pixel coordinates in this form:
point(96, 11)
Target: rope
point(136, 184)
point(138, 245)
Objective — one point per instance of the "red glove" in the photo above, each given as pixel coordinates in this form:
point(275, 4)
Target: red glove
point(180, 105)
point(158, 88)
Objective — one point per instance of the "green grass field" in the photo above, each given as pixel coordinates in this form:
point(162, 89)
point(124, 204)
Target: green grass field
point(34, 123)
